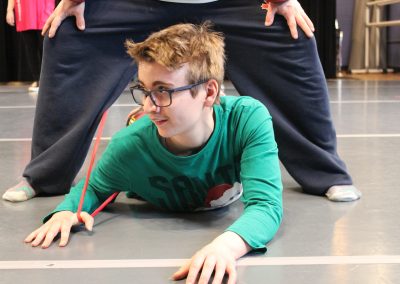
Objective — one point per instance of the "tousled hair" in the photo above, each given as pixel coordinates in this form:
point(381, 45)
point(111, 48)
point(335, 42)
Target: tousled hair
point(198, 45)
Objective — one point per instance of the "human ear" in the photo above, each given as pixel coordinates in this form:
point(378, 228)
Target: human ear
point(212, 88)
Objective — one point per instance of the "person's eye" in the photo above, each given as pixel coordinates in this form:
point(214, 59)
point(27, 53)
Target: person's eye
point(138, 86)
point(161, 88)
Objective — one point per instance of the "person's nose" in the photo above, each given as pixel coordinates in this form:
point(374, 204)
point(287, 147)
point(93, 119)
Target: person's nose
point(149, 106)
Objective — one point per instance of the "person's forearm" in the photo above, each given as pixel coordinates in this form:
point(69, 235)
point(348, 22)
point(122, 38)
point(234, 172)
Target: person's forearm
point(10, 5)
point(236, 244)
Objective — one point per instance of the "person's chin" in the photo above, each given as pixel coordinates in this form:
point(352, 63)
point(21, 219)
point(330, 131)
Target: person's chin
point(162, 132)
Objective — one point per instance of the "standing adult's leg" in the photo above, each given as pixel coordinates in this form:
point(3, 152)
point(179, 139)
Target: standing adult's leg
point(286, 75)
point(83, 73)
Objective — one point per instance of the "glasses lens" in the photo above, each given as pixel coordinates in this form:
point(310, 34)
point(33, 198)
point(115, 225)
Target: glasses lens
point(161, 98)
point(138, 95)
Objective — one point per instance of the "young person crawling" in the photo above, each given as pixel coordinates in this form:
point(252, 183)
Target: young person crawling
point(220, 148)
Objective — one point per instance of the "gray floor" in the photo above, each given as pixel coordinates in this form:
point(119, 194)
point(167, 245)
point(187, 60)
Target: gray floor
point(318, 242)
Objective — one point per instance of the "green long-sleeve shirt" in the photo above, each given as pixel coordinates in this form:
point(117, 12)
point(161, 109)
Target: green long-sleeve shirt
point(241, 149)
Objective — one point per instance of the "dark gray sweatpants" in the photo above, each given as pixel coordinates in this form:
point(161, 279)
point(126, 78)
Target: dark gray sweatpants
point(83, 73)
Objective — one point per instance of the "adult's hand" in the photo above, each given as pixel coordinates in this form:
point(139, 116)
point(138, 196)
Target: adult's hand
point(10, 17)
point(65, 9)
point(294, 15)
point(60, 222)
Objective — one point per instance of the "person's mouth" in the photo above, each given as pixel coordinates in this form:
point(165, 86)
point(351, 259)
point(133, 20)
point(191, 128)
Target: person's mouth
point(159, 121)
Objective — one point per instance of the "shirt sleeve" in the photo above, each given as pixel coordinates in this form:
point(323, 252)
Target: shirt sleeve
point(261, 179)
point(108, 176)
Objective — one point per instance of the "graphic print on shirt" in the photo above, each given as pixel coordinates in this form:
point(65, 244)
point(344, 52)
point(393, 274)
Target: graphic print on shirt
point(222, 195)
point(212, 191)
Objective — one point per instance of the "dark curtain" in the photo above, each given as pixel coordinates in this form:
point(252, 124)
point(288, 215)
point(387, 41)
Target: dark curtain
point(12, 56)
point(323, 15)
point(321, 12)
point(13, 59)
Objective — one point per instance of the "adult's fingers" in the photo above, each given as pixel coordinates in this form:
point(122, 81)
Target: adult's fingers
point(294, 15)
point(291, 21)
point(48, 22)
point(270, 16)
point(55, 24)
point(309, 24)
point(80, 21)
point(10, 21)
point(305, 28)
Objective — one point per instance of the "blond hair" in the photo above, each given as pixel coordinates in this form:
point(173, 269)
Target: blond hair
point(198, 45)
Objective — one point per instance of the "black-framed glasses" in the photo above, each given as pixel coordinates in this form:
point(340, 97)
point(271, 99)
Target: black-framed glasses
point(159, 97)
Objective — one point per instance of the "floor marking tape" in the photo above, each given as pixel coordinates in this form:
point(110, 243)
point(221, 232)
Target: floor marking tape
point(365, 102)
point(33, 106)
point(249, 261)
point(338, 136)
point(30, 139)
point(367, 135)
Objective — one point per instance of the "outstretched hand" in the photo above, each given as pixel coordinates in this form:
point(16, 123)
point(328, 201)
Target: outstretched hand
point(65, 9)
point(60, 222)
point(211, 258)
point(219, 257)
point(294, 15)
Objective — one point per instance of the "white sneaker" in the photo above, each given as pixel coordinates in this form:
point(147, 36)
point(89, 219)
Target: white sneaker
point(343, 193)
point(34, 88)
point(23, 191)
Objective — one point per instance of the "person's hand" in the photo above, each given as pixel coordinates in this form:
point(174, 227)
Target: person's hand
point(213, 257)
point(60, 222)
point(219, 256)
point(65, 9)
point(10, 17)
point(294, 15)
